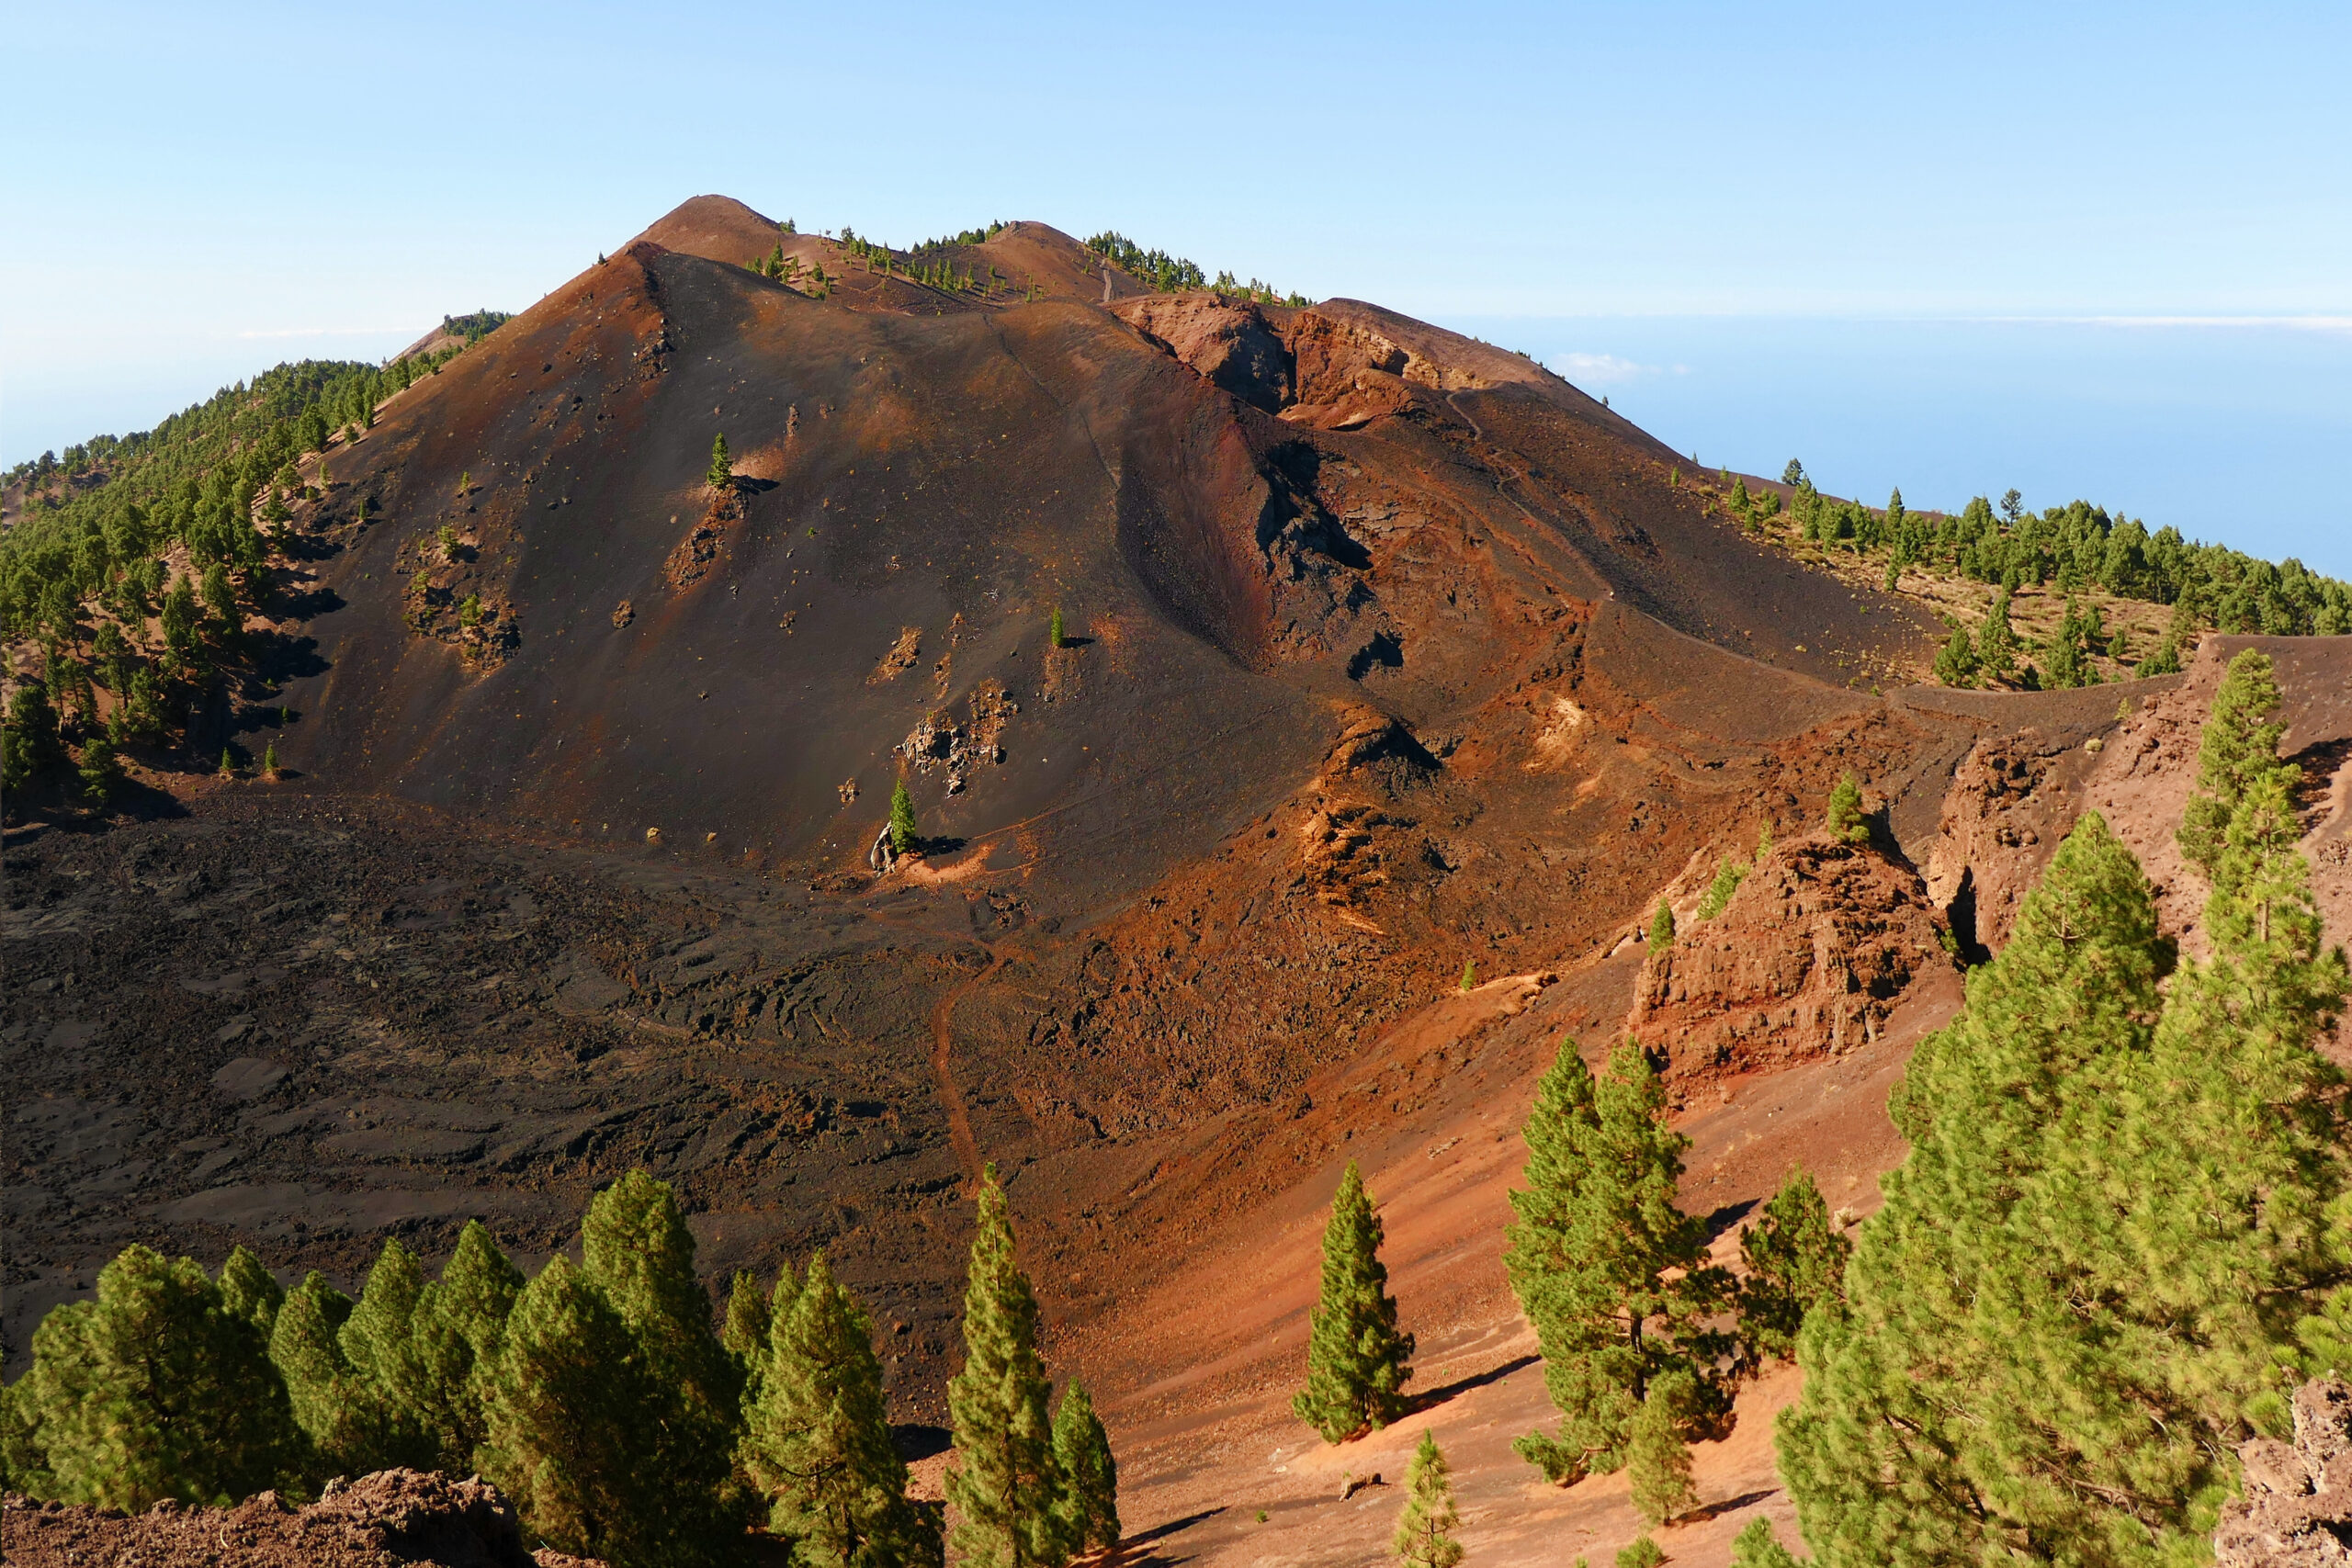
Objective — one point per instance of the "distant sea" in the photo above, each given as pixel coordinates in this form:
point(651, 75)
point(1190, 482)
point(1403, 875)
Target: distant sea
point(2231, 430)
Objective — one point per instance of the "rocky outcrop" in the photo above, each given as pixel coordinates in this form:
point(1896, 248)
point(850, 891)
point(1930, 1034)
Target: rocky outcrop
point(1370, 740)
point(2132, 757)
point(1310, 367)
point(1355, 838)
point(1812, 953)
point(693, 557)
point(943, 741)
point(384, 1520)
point(2297, 1508)
point(1999, 827)
point(1230, 343)
point(899, 659)
point(444, 600)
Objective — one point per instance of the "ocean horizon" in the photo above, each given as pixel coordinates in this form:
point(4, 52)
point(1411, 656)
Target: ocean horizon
point(2233, 430)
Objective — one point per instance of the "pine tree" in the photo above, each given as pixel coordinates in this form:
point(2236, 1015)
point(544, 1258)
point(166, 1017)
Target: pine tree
point(2067, 666)
point(744, 1335)
point(1845, 818)
point(1945, 1403)
point(1997, 641)
point(1796, 1261)
point(100, 770)
point(456, 1331)
point(1956, 665)
point(574, 1417)
point(721, 474)
point(111, 650)
point(2082, 1294)
point(2240, 745)
point(24, 1466)
point(31, 739)
point(249, 1292)
point(155, 1388)
point(635, 1248)
point(1357, 1361)
point(1657, 1460)
point(2232, 1130)
point(1054, 628)
point(817, 1442)
point(1643, 1553)
point(269, 760)
point(2162, 659)
point(304, 1347)
point(1611, 1273)
point(1758, 1547)
point(2174, 1215)
point(1661, 928)
point(378, 1346)
point(220, 597)
point(1469, 972)
point(608, 1405)
point(1090, 1472)
point(1425, 1528)
point(903, 835)
point(1730, 872)
point(1006, 1484)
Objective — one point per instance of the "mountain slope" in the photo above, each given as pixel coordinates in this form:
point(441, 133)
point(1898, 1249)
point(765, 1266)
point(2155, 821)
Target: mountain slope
point(1390, 653)
point(962, 474)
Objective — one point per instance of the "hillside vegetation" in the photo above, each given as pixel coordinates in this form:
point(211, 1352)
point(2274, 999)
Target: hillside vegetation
point(132, 565)
point(2069, 596)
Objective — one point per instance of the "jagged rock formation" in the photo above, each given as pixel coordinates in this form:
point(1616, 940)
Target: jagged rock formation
point(2297, 1508)
point(2132, 756)
point(384, 1520)
point(1999, 828)
point(1815, 949)
point(1231, 342)
point(943, 741)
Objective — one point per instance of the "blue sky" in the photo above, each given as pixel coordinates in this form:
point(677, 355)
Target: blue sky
point(201, 190)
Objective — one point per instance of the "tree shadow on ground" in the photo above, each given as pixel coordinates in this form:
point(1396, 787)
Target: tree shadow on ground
point(1729, 1506)
point(1428, 1399)
point(1139, 1550)
point(916, 1441)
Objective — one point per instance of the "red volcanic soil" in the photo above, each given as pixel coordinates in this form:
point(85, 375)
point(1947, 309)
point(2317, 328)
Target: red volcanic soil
point(385, 1520)
point(1388, 652)
point(1200, 1395)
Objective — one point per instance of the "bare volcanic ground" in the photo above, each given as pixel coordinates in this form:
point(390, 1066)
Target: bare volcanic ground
point(1198, 1381)
point(1242, 548)
point(309, 1022)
